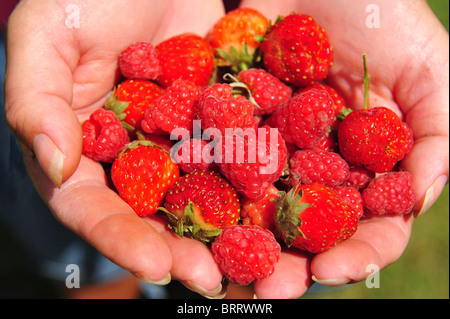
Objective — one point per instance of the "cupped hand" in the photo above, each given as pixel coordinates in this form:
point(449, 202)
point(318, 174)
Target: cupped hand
point(61, 65)
point(408, 62)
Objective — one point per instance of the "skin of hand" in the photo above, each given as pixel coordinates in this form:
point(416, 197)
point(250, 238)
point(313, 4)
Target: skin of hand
point(61, 65)
point(408, 63)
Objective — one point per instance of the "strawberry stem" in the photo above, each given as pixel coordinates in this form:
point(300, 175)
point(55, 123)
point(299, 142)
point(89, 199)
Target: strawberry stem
point(366, 82)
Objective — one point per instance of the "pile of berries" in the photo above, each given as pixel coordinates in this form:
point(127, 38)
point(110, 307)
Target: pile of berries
point(239, 142)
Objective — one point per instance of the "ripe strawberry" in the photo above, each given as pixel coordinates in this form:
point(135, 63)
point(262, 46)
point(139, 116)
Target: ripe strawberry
point(375, 138)
point(252, 161)
point(352, 197)
point(297, 50)
point(218, 108)
point(194, 154)
point(260, 212)
point(201, 204)
point(139, 61)
point(172, 109)
point(317, 166)
point(129, 101)
point(103, 136)
point(313, 218)
point(246, 253)
point(305, 118)
point(267, 91)
point(234, 37)
point(185, 56)
point(142, 174)
point(390, 193)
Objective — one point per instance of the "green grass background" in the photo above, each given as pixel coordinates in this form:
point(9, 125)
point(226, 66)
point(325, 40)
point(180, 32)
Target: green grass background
point(422, 272)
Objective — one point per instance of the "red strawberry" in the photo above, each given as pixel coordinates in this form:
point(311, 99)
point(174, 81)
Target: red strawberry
point(246, 253)
point(313, 218)
point(297, 50)
point(267, 91)
point(131, 99)
point(375, 138)
point(185, 56)
point(317, 166)
point(139, 61)
point(194, 154)
point(234, 37)
point(218, 108)
point(252, 162)
point(305, 118)
point(390, 193)
point(260, 212)
point(142, 174)
point(352, 197)
point(172, 109)
point(201, 204)
point(103, 136)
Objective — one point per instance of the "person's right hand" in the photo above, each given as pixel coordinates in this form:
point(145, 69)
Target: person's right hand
point(61, 65)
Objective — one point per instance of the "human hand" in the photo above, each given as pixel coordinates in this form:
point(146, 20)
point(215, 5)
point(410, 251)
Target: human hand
point(58, 72)
point(408, 66)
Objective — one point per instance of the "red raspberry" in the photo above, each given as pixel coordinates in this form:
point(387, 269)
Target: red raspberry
point(194, 154)
point(317, 166)
point(103, 136)
point(172, 109)
point(246, 253)
point(390, 193)
point(352, 197)
point(218, 108)
point(140, 61)
point(267, 90)
point(359, 177)
point(252, 162)
point(305, 118)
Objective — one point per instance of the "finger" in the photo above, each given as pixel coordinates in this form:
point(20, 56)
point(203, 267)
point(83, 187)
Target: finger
point(193, 265)
point(88, 207)
point(290, 279)
point(38, 92)
point(378, 242)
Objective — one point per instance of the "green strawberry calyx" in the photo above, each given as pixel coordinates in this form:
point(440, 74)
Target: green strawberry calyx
point(289, 207)
point(186, 225)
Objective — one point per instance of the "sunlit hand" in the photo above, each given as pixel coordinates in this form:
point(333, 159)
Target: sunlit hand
point(408, 64)
point(62, 64)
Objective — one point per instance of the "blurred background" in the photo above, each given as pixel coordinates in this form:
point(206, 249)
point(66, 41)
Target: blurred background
point(422, 272)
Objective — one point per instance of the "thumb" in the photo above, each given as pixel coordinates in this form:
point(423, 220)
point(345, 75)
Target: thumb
point(38, 95)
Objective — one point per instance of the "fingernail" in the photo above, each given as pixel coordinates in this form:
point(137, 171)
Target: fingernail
point(162, 282)
point(431, 195)
point(331, 282)
point(216, 293)
point(50, 158)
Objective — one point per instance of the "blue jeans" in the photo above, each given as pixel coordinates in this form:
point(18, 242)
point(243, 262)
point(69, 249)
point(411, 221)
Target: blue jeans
point(50, 245)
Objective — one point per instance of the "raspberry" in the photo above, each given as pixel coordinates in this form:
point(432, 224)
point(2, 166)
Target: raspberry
point(317, 166)
point(218, 108)
point(172, 109)
point(359, 177)
point(305, 118)
point(140, 61)
point(194, 154)
point(246, 253)
point(103, 136)
point(267, 90)
point(390, 193)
